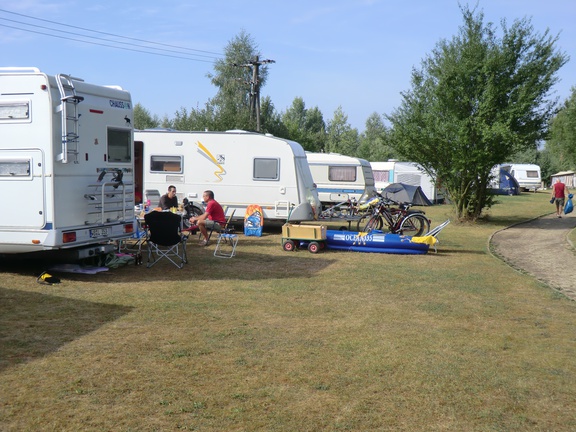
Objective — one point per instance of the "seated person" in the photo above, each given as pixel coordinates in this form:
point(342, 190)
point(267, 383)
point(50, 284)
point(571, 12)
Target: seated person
point(212, 218)
point(169, 199)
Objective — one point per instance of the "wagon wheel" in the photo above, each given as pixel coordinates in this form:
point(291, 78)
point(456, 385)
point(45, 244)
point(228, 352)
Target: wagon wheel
point(314, 247)
point(288, 245)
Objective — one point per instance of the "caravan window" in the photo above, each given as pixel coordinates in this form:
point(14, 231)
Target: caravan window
point(381, 176)
point(342, 173)
point(14, 111)
point(14, 168)
point(266, 169)
point(532, 174)
point(171, 164)
point(119, 145)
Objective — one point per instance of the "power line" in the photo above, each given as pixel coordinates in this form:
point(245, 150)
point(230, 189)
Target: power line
point(105, 45)
point(108, 40)
point(95, 37)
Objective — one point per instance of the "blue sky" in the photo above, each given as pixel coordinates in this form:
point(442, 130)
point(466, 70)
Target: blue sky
point(357, 54)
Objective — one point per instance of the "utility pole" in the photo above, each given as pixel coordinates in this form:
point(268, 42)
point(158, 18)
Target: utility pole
point(255, 87)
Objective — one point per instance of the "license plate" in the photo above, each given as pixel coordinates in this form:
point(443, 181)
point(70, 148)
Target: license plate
point(98, 232)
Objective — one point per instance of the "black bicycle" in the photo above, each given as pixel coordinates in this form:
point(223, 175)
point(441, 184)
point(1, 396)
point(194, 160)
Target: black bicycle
point(397, 217)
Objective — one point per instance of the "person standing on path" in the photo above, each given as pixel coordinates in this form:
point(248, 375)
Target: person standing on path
point(559, 192)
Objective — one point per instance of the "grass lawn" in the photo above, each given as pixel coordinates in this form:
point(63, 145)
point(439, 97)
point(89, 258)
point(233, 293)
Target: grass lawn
point(278, 341)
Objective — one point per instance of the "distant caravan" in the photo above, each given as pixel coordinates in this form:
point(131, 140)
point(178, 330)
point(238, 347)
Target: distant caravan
point(527, 175)
point(341, 178)
point(241, 168)
point(409, 173)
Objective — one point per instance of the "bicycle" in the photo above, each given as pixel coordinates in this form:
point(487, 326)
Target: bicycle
point(400, 220)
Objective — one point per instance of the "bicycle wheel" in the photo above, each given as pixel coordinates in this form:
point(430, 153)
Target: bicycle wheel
point(415, 225)
point(369, 223)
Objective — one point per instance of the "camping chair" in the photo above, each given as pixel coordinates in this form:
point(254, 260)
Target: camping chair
point(227, 228)
point(227, 240)
point(165, 238)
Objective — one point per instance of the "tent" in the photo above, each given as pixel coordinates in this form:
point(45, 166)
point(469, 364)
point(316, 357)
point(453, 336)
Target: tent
point(405, 193)
point(505, 184)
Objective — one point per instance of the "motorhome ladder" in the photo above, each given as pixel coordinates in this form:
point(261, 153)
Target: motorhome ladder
point(69, 109)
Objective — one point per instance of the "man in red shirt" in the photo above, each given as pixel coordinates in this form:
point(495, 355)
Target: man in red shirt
point(559, 192)
point(212, 218)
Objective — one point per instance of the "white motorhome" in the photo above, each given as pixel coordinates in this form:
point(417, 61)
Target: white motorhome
point(242, 168)
point(66, 164)
point(527, 175)
point(340, 178)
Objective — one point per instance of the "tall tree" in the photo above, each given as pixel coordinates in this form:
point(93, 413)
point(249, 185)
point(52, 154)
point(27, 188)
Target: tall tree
point(306, 126)
point(477, 100)
point(143, 119)
point(374, 141)
point(341, 137)
point(271, 120)
point(232, 76)
point(562, 141)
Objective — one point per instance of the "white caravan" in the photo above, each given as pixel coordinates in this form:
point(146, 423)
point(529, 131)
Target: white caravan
point(413, 174)
point(527, 175)
point(408, 173)
point(383, 174)
point(242, 168)
point(340, 178)
point(66, 164)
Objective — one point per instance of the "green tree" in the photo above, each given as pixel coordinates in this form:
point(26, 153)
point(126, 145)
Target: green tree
point(232, 77)
point(375, 141)
point(477, 100)
point(341, 137)
point(562, 140)
point(143, 119)
point(305, 126)
point(271, 120)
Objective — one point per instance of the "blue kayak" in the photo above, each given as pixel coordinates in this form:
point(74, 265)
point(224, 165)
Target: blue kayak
point(376, 241)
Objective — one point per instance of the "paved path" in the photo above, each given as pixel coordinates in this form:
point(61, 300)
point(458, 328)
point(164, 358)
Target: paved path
point(541, 248)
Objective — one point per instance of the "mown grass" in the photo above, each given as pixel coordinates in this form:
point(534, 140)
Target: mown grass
point(278, 341)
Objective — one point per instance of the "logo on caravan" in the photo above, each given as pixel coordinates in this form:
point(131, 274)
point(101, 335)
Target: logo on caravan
point(120, 104)
point(217, 160)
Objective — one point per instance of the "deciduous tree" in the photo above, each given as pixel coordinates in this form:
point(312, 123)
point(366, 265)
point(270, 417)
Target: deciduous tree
point(477, 100)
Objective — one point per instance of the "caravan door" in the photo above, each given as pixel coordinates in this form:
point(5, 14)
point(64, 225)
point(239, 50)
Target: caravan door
point(22, 176)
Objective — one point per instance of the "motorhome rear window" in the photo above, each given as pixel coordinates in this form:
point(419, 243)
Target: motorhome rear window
point(11, 111)
point(14, 168)
point(266, 169)
point(119, 145)
point(532, 174)
point(342, 173)
point(172, 164)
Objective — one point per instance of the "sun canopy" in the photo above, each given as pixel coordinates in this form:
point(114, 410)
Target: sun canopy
point(405, 193)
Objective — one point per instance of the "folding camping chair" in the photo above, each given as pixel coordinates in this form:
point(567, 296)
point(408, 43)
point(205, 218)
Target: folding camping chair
point(228, 228)
point(227, 240)
point(165, 238)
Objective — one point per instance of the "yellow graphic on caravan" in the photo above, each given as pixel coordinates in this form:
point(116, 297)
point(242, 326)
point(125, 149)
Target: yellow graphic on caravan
point(206, 153)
